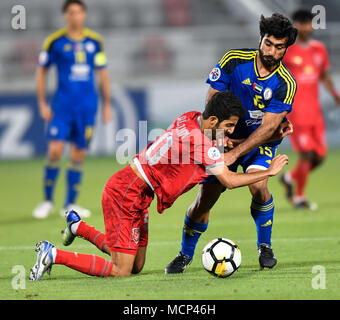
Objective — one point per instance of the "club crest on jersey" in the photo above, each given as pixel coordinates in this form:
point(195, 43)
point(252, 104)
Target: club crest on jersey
point(267, 94)
point(135, 234)
point(257, 88)
point(214, 153)
point(215, 74)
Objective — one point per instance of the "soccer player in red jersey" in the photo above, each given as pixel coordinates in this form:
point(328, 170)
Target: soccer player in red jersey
point(308, 61)
point(183, 156)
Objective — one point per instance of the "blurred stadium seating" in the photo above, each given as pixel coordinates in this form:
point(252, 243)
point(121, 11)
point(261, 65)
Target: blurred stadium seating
point(154, 44)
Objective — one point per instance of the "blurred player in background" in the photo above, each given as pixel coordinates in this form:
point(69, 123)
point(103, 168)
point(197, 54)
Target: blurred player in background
point(77, 53)
point(308, 61)
point(184, 155)
point(266, 89)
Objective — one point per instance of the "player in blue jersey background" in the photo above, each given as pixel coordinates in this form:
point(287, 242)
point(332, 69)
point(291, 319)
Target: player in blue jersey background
point(78, 55)
point(267, 89)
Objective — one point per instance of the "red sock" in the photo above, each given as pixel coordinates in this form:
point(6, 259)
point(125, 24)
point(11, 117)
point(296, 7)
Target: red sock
point(85, 263)
point(300, 175)
point(91, 234)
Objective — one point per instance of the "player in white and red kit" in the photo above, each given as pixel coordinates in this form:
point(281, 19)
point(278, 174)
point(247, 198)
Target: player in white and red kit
point(183, 156)
point(308, 61)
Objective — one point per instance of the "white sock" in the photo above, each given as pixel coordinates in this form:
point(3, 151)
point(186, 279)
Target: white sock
point(54, 253)
point(74, 227)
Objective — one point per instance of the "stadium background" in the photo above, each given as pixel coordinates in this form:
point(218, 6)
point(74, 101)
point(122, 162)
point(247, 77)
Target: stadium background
point(159, 55)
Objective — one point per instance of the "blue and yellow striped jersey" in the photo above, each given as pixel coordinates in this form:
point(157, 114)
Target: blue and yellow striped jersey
point(237, 72)
point(75, 60)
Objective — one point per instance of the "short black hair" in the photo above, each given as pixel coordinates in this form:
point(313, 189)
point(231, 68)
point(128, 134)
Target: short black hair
point(278, 26)
point(223, 105)
point(303, 15)
point(67, 3)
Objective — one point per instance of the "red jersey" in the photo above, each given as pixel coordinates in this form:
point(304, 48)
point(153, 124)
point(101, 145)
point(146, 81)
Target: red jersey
point(307, 63)
point(178, 159)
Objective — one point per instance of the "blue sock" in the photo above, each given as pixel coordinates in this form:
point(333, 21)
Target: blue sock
point(73, 179)
point(191, 233)
point(262, 214)
point(50, 177)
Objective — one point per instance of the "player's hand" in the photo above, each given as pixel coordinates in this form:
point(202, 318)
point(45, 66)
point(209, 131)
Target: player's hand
point(229, 158)
point(45, 111)
point(107, 113)
point(277, 164)
point(285, 129)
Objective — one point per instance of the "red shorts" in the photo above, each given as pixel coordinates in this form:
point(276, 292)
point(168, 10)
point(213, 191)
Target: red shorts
point(125, 202)
point(309, 138)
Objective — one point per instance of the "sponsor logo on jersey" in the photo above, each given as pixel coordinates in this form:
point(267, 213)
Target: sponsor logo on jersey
point(215, 74)
point(256, 114)
point(214, 153)
point(247, 82)
point(257, 88)
point(256, 117)
point(267, 94)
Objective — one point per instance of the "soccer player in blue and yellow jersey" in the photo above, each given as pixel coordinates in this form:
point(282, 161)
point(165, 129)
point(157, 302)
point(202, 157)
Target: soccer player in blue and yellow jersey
point(267, 89)
point(77, 53)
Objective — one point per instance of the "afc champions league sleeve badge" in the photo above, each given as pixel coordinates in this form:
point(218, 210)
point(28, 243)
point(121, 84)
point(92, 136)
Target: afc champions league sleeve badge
point(215, 74)
point(214, 153)
point(267, 94)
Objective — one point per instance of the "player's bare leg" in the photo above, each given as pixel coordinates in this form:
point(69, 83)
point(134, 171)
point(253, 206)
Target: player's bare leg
point(196, 222)
point(122, 264)
point(55, 151)
point(73, 177)
point(262, 210)
point(139, 260)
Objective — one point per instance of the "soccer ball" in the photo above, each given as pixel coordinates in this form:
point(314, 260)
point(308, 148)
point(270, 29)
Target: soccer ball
point(221, 257)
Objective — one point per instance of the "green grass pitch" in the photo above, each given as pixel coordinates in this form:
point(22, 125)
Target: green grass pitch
point(301, 241)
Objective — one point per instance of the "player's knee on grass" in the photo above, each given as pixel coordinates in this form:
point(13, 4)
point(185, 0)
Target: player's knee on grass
point(122, 264)
point(139, 260)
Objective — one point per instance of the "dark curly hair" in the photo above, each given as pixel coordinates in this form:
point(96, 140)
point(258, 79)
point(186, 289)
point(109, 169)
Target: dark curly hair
point(223, 105)
point(278, 26)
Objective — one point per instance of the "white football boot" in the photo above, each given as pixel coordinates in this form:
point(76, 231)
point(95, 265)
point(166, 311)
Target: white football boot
point(43, 210)
point(45, 251)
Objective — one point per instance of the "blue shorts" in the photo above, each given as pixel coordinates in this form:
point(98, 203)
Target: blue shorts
point(75, 126)
point(260, 158)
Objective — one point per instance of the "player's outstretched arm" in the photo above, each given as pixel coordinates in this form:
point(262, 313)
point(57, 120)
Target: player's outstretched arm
point(270, 123)
point(233, 180)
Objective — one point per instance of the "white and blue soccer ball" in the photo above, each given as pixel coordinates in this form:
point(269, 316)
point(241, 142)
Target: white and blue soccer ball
point(221, 257)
